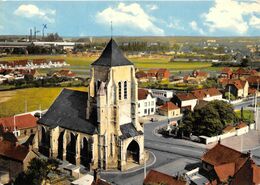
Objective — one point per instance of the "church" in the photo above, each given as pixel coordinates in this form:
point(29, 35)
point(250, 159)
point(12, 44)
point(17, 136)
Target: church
point(98, 128)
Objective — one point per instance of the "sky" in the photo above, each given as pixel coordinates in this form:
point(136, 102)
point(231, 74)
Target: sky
point(132, 18)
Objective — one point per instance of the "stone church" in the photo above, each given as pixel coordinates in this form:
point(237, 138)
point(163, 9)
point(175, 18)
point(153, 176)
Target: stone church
point(98, 128)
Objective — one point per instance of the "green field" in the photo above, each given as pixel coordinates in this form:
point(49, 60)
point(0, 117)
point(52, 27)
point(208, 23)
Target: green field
point(14, 102)
point(248, 115)
point(82, 62)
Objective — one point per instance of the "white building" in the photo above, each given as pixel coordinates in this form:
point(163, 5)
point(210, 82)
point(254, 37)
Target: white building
point(185, 101)
point(146, 103)
point(162, 93)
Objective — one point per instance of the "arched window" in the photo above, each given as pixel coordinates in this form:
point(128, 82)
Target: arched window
point(125, 90)
point(119, 90)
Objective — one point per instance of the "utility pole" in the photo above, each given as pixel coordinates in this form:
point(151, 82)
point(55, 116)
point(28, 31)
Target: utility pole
point(256, 107)
point(25, 105)
point(144, 167)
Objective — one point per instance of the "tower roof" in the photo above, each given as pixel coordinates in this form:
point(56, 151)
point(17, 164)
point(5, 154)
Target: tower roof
point(112, 56)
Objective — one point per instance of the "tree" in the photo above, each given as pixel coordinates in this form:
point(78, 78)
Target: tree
point(245, 62)
point(37, 172)
point(210, 119)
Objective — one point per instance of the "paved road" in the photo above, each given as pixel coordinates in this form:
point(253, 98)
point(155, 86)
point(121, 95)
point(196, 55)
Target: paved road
point(166, 150)
point(171, 154)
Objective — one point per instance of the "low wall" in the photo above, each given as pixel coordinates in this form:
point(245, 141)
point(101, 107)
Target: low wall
point(238, 132)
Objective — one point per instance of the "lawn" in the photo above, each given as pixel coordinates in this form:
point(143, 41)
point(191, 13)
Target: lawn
point(13, 102)
point(248, 115)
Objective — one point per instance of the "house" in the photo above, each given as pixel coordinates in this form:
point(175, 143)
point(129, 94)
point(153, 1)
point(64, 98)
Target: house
point(170, 110)
point(21, 125)
point(253, 81)
point(226, 73)
point(238, 88)
point(208, 94)
point(222, 164)
point(141, 76)
point(243, 72)
point(15, 157)
point(200, 74)
point(185, 101)
point(158, 74)
point(146, 103)
point(64, 73)
point(163, 74)
point(156, 177)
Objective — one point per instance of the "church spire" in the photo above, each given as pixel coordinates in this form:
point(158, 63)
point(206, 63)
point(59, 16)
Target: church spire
point(112, 56)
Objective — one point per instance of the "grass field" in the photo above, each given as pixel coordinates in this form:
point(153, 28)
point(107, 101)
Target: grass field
point(82, 62)
point(13, 102)
point(248, 115)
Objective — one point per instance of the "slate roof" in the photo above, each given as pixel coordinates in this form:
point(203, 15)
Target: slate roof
point(112, 56)
point(128, 130)
point(69, 111)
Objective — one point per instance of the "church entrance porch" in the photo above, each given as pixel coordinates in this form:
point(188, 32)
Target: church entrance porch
point(132, 154)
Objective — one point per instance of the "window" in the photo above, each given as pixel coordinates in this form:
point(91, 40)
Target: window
point(119, 90)
point(145, 111)
point(152, 103)
point(152, 110)
point(138, 105)
point(145, 104)
point(125, 90)
point(148, 103)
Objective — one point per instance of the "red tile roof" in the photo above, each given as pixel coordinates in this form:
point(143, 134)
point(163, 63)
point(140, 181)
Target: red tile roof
point(13, 151)
point(140, 74)
point(185, 96)
point(142, 94)
point(226, 70)
point(169, 106)
point(249, 174)
point(222, 157)
point(225, 171)
point(21, 122)
point(239, 84)
point(155, 177)
point(202, 93)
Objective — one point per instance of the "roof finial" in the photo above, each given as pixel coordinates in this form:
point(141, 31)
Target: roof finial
point(111, 24)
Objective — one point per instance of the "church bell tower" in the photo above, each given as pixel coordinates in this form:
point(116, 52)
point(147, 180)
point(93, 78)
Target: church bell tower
point(113, 99)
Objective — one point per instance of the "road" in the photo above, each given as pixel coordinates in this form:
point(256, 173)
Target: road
point(176, 152)
point(172, 155)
